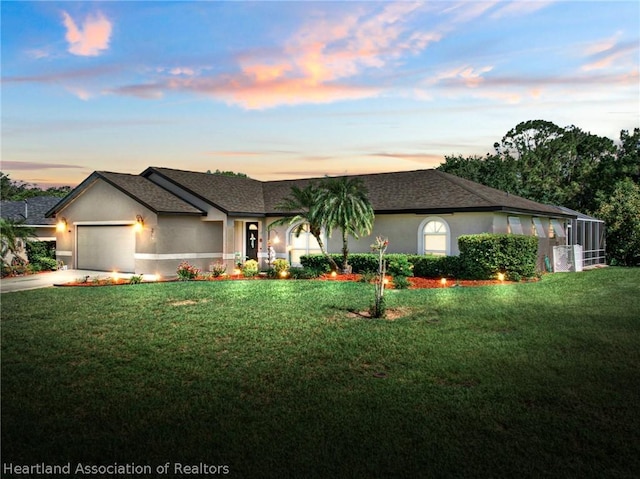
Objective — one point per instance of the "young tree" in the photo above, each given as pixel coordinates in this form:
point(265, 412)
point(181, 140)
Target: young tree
point(307, 209)
point(344, 204)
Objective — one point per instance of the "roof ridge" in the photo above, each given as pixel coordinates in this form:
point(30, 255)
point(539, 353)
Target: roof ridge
point(454, 179)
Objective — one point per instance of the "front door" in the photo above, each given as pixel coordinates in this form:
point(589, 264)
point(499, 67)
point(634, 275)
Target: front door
point(251, 240)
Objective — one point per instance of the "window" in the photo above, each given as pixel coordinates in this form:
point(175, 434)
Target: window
point(300, 245)
point(515, 227)
point(557, 229)
point(538, 229)
point(435, 234)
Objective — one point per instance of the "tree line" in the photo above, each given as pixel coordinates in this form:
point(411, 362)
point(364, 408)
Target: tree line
point(568, 167)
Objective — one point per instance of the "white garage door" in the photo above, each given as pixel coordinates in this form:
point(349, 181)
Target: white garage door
point(107, 248)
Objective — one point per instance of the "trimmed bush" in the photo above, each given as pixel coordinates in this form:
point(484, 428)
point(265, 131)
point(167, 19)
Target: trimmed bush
point(250, 268)
point(483, 256)
point(432, 266)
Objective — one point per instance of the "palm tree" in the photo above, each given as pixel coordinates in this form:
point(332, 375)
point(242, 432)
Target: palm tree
point(308, 211)
point(345, 204)
point(10, 232)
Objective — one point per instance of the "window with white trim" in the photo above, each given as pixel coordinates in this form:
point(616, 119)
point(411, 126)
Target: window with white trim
point(436, 237)
point(300, 245)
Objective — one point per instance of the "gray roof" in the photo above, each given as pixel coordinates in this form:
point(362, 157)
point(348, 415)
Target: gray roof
point(230, 194)
point(31, 211)
point(418, 191)
point(145, 192)
point(424, 192)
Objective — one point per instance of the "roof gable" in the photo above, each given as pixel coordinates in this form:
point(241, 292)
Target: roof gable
point(136, 187)
point(230, 194)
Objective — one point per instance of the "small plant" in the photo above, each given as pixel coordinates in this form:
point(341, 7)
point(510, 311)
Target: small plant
point(187, 272)
point(378, 309)
point(217, 269)
point(401, 282)
point(281, 268)
point(135, 279)
point(250, 268)
point(368, 277)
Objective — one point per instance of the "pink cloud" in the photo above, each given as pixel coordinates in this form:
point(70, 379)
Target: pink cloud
point(90, 38)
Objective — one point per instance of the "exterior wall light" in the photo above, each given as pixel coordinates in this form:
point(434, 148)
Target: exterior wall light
point(139, 224)
point(61, 226)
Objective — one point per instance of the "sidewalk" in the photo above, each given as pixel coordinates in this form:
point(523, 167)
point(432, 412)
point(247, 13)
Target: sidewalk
point(48, 279)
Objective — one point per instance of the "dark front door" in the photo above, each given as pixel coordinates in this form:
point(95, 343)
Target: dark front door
point(251, 240)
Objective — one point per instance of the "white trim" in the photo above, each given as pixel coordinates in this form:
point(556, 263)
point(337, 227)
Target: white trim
point(168, 256)
point(105, 223)
point(60, 252)
point(421, 227)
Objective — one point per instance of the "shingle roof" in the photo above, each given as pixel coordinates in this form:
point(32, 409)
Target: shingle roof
point(231, 194)
point(419, 191)
point(145, 192)
point(422, 191)
point(31, 210)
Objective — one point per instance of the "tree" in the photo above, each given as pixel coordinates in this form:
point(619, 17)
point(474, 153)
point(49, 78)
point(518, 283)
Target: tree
point(307, 209)
point(621, 213)
point(18, 190)
point(10, 232)
point(227, 173)
point(344, 204)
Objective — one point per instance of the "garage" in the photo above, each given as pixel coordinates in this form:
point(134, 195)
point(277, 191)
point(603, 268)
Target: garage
point(107, 248)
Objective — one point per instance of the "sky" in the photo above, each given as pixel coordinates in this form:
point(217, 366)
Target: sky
point(281, 90)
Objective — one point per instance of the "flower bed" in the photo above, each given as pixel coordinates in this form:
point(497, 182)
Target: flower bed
point(414, 282)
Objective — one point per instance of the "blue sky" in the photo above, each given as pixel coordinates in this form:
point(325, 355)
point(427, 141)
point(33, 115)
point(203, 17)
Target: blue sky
point(294, 89)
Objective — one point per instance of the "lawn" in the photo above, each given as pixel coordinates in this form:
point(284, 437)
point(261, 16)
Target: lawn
point(279, 379)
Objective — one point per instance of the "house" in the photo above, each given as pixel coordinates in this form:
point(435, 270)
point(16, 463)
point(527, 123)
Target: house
point(31, 212)
point(149, 223)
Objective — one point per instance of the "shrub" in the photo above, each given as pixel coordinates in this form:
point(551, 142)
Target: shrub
point(399, 265)
point(432, 266)
point(250, 268)
point(281, 267)
point(135, 279)
point(187, 272)
point(304, 273)
point(483, 256)
point(43, 263)
point(217, 269)
point(401, 282)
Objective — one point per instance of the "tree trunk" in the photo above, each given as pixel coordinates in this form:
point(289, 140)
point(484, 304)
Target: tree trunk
point(346, 269)
point(332, 263)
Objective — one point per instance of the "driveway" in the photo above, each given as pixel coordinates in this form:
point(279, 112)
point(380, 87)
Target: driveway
point(45, 280)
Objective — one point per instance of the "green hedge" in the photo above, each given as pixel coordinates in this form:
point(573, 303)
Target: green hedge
point(483, 256)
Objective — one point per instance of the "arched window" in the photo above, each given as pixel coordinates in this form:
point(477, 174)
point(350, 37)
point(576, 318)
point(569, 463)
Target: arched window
point(434, 237)
point(300, 245)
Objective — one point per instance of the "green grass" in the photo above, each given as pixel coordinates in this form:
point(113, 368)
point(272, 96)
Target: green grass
point(276, 379)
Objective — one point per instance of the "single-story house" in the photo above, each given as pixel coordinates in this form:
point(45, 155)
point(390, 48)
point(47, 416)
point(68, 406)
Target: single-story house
point(149, 223)
point(31, 212)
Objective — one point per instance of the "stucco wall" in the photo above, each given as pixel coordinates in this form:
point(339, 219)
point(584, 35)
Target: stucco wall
point(99, 203)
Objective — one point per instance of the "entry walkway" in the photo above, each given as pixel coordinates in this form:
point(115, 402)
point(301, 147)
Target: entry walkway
point(48, 279)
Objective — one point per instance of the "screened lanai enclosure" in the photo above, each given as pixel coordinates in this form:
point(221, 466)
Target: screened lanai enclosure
point(586, 244)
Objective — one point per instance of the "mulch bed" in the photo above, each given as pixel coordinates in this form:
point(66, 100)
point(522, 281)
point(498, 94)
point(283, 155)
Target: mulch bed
point(415, 283)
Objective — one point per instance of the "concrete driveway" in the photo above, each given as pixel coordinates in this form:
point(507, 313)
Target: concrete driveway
point(45, 280)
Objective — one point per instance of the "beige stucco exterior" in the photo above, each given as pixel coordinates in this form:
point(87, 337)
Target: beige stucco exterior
point(405, 233)
point(165, 240)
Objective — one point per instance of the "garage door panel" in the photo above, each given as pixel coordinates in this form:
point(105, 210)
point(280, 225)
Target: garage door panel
point(107, 248)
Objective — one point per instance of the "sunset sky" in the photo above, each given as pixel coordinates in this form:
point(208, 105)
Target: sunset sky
point(292, 89)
